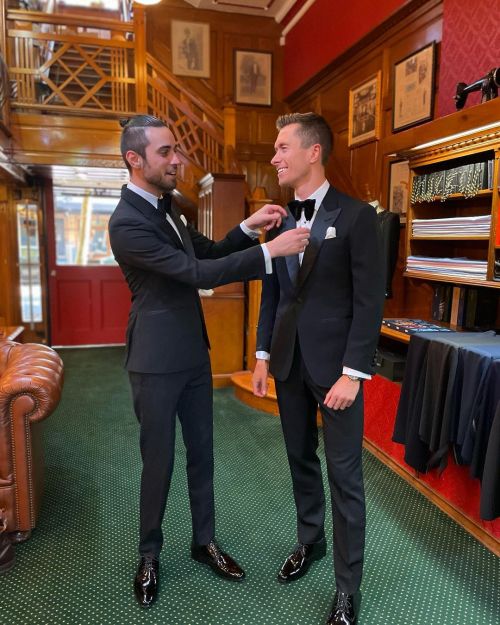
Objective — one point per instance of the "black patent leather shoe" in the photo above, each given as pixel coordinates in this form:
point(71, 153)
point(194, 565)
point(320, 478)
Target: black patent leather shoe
point(146, 581)
point(344, 609)
point(220, 562)
point(298, 562)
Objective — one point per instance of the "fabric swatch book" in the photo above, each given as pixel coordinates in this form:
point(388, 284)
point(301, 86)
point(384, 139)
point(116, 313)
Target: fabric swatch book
point(413, 325)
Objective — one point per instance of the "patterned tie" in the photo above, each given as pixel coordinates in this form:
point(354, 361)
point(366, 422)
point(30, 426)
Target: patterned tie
point(296, 207)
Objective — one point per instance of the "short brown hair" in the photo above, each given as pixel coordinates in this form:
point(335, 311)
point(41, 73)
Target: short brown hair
point(313, 128)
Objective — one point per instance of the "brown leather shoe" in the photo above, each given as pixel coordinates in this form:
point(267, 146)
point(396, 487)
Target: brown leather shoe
point(298, 562)
point(7, 555)
point(344, 609)
point(146, 581)
point(218, 561)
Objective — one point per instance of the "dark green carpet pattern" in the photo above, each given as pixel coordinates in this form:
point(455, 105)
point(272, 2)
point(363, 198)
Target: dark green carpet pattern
point(77, 569)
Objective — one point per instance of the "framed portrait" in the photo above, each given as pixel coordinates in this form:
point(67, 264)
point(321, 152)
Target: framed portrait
point(190, 49)
point(364, 111)
point(252, 77)
point(399, 188)
point(413, 100)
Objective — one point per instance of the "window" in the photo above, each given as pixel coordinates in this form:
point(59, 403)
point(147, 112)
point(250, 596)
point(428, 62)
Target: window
point(29, 262)
point(81, 226)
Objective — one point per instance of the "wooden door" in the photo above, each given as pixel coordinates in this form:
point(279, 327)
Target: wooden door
point(89, 299)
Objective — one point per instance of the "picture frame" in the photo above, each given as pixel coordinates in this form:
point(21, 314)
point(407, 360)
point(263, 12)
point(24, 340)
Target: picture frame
point(190, 49)
point(413, 95)
point(253, 77)
point(364, 110)
point(398, 195)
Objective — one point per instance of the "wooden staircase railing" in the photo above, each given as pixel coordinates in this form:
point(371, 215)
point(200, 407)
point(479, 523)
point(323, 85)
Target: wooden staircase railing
point(56, 66)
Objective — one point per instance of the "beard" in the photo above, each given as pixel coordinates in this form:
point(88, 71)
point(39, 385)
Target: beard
point(159, 181)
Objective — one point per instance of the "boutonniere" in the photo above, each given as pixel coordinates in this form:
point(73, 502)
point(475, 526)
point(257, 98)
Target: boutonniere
point(184, 220)
point(331, 233)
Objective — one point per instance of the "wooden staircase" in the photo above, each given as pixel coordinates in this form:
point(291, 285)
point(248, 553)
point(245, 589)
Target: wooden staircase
point(103, 71)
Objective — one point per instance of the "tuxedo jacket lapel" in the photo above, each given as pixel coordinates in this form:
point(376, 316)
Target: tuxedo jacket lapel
point(292, 262)
point(325, 217)
point(183, 231)
point(153, 214)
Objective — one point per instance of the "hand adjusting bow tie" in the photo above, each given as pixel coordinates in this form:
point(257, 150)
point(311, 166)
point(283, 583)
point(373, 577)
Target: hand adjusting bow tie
point(165, 204)
point(296, 207)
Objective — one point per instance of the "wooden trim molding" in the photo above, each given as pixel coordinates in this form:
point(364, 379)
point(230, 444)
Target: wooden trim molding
point(457, 515)
point(409, 11)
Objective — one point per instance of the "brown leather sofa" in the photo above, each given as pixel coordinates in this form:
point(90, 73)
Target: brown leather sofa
point(31, 379)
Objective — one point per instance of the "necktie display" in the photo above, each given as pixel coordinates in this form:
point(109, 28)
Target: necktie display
point(296, 207)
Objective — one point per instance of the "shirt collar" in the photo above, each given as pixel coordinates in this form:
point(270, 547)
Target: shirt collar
point(149, 197)
point(319, 195)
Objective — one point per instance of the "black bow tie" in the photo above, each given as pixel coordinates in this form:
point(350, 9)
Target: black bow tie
point(165, 204)
point(296, 207)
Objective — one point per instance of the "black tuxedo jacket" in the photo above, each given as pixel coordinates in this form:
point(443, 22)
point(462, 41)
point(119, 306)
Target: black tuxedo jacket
point(166, 330)
point(333, 302)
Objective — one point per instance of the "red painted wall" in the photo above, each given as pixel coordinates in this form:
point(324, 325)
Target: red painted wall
point(470, 47)
point(326, 30)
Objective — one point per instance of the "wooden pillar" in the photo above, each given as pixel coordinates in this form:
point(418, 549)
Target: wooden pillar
point(141, 80)
point(222, 207)
point(229, 136)
point(256, 201)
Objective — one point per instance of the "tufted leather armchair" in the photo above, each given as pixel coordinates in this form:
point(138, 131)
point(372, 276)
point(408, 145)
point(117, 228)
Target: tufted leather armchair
point(31, 379)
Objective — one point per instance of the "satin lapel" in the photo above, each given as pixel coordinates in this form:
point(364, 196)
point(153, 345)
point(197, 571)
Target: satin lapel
point(149, 211)
point(324, 219)
point(183, 231)
point(292, 262)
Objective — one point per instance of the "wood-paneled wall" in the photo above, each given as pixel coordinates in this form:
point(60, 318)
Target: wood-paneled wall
point(255, 126)
point(363, 170)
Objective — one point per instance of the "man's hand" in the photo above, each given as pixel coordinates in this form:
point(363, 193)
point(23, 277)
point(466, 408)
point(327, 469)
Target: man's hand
point(259, 378)
point(290, 242)
point(342, 394)
point(267, 217)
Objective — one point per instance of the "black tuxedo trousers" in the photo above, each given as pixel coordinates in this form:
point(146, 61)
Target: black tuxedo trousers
point(158, 400)
point(298, 399)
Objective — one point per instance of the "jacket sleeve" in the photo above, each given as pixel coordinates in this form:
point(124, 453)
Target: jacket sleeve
point(368, 280)
point(269, 299)
point(135, 243)
point(235, 240)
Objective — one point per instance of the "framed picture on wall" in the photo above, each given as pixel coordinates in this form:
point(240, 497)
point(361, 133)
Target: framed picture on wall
point(399, 188)
point(364, 111)
point(413, 99)
point(252, 77)
point(190, 49)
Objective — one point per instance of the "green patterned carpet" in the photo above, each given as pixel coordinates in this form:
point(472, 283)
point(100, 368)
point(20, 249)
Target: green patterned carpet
point(77, 569)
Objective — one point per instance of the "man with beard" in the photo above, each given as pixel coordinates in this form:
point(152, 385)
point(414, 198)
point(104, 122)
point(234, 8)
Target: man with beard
point(165, 262)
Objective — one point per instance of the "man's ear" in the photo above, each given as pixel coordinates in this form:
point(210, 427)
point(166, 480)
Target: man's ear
point(315, 153)
point(134, 160)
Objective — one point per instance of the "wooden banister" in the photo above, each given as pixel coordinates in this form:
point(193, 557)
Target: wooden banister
point(57, 66)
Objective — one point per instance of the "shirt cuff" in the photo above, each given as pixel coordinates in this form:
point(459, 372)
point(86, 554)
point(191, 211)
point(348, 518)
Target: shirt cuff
point(359, 374)
point(253, 234)
point(262, 355)
point(267, 258)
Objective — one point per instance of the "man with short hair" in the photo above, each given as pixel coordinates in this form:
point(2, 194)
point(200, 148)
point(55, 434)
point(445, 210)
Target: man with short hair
point(165, 262)
point(319, 321)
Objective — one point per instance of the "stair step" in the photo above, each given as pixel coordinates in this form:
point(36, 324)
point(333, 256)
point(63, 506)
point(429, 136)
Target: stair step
point(242, 382)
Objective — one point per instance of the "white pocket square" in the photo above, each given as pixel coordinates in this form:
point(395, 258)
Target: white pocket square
point(184, 220)
point(331, 233)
